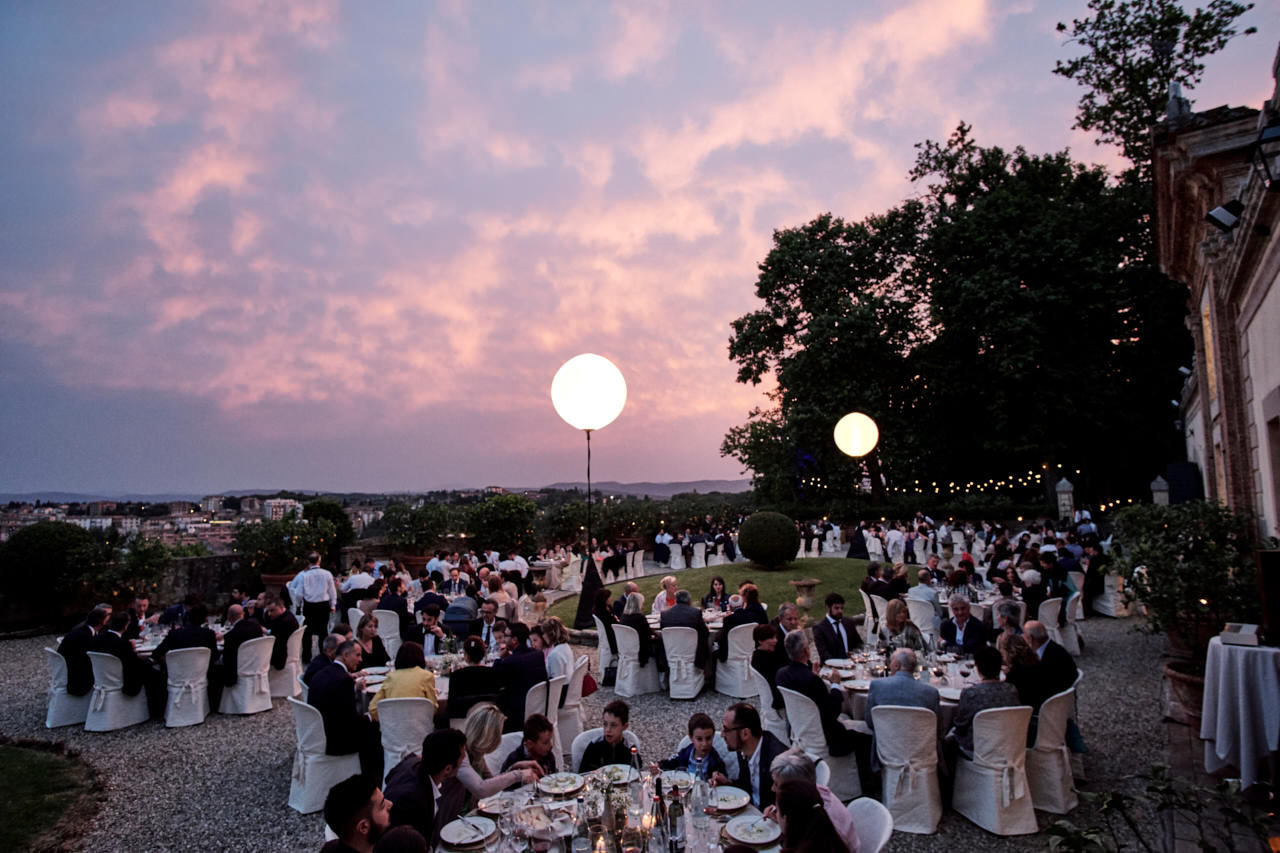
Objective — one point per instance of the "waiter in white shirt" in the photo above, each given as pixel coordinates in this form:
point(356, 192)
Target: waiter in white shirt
point(315, 590)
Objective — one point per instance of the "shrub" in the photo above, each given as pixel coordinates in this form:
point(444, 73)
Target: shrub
point(769, 538)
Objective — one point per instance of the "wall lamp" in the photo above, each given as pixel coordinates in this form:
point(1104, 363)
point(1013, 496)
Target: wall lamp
point(1227, 216)
point(1266, 153)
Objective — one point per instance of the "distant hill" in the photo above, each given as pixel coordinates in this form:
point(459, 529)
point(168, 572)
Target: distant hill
point(659, 490)
point(78, 497)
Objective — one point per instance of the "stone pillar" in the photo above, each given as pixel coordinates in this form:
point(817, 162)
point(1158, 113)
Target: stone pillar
point(1160, 491)
point(1066, 498)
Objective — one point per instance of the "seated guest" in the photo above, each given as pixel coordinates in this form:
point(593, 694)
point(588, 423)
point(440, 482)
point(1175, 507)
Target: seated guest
point(433, 635)
point(483, 729)
point(699, 757)
point(423, 789)
point(958, 584)
point(602, 611)
point(560, 659)
point(241, 629)
point(461, 615)
point(799, 676)
point(1058, 667)
point(835, 636)
point(717, 598)
point(788, 620)
point(900, 688)
point(488, 618)
point(409, 680)
point(328, 651)
point(355, 587)
point(924, 591)
point(612, 747)
point(238, 596)
point(194, 635)
point(806, 820)
point(794, 764)
point(756, 748)
point(137, 673)
point(766, 661)
point(873, 584)
point(1022, 669)
point(990, 692)
point(1007, 614)
point(633, 617)
point(401, 839)
point(473, 683)
point(357, 813)
point(74, 649)
point(684, 615)
point(522, 668)
point(139, 616)
point(281, 624)
point(496, 593)
point(898, 582)
point(455, 585)
point(175, 615)
point(537, 746)
point(393, 599)
point(1034, 590)
point(939, 575)
point(430, 597)
point(960, 633)
point(897, 630)
point(373, 652)
point(1006, 597)
point(745, 609)
point(666, 598)
point(346, 730)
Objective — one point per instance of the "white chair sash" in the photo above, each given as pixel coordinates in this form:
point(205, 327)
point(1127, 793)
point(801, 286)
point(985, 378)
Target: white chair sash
point(1012, 778)
point(189, 687)
point(100, 695)
point(908, 771)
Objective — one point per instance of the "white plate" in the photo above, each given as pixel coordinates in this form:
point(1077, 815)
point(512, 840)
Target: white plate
point(838, 663)
point(377, 670)
point(680, 779)
point(617, 774)
point(560, 783)
point(727, 798)
point(374, 679)
point(856, 684)
point(498, 804)
point(952, 693)
point(753, 830)
point(473, 830)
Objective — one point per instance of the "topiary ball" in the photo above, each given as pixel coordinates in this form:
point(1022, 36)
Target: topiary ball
point(769, 538)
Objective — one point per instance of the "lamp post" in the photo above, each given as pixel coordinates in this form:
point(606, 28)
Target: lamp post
point(588, 393)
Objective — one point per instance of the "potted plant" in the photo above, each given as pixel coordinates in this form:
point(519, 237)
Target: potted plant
point(413, 531)
point(1191, 567)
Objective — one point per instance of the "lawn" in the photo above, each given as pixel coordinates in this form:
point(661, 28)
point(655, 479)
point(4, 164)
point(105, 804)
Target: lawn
point(37, 789)
point(838, 574)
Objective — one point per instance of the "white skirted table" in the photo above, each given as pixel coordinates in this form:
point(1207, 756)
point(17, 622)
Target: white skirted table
point(1240, 717)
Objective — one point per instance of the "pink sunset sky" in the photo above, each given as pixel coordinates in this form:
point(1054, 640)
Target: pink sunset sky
point(346, 246)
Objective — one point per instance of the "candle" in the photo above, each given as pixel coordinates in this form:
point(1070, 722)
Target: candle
point(646, 822)
point(600, 845)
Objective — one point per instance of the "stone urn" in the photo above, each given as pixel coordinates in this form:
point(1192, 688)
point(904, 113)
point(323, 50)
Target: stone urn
point(804, 592)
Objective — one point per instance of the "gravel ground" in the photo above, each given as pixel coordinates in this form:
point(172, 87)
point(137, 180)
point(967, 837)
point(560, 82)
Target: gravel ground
point(224, 785)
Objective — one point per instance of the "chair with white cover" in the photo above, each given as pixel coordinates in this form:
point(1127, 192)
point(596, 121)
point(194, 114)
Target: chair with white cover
point(493, 760)
point(404, 723)
point(581, 742)
point(921, 615)
point(354, 615)
point(64, 709)
point(677, 556)
point(807, 734)
point(733, 677)
point(314, 773)
point(716, 557)
point(544, 698)
point(907, 746)
point(389, 630)
point(252, 691)
point(1048, 614)
point(684, 680)
point(699, 560)
point(284, 682)
point(110, 709)
point(1049, 760)
point(800, 554)
point(569, 718)
point(872, 823)
point(881, 605)
point(991, 788)
point(303, 689)
point(188, 683)
point(605, 655)
point(634, 679)
point(868, 628)
point(1077, 579)
point(1071, 631)
point(773, 719)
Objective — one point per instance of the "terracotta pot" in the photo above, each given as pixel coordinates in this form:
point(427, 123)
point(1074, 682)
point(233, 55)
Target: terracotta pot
point(1186, 692)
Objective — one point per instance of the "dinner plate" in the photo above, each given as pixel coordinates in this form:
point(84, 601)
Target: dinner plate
point(560, 783)
point(374, 679)
point(467, 832)
point(680, 779)
point(838, 663)
point(377, 670)
point(856, 684)
point(617, 774)
point(727, 798)
point(952, 693)
point(497, 805)
point(946, 658)
point(753, 830)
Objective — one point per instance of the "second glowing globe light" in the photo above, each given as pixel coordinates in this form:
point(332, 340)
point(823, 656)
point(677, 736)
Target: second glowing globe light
point(856, 434)
point(588, 391)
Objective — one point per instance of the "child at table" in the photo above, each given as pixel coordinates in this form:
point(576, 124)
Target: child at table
point(699, 757)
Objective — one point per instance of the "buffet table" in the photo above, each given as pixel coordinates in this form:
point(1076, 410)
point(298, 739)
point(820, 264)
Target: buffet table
point(1240, 716)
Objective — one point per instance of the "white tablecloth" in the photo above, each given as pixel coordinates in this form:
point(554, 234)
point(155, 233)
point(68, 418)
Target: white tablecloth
point(1240, 717)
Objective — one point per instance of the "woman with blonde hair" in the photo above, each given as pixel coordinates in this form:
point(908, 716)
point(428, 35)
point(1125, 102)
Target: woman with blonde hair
point(897, 629)
point(483, 729)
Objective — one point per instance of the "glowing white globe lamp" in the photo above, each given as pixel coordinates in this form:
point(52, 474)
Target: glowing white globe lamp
point(588, 391)
point(856, 434)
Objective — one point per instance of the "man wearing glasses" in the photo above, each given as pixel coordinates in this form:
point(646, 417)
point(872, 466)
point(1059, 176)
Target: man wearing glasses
point(756, 749)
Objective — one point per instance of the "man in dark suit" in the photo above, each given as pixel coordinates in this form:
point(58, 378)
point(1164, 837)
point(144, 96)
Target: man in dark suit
point(835, 636)
point(393, 599)
point(242, 629)
point(328, 653)
point(346, 730)
point(430, 597)
point(138, 674)
point(281, 624)
point(756, 750)
point(685, 615)
point(798, 675)
point(962, 633)
point(739, 614)
point(522, 668)
point(193, 635)
point(424, 790)
point(138, 615)
point(358, 814)
point(764, 659)
point(1057, 667)
point(455, 585)
point(74, 649)
point(873, 584)
point(175, 615)
point(620, 603)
